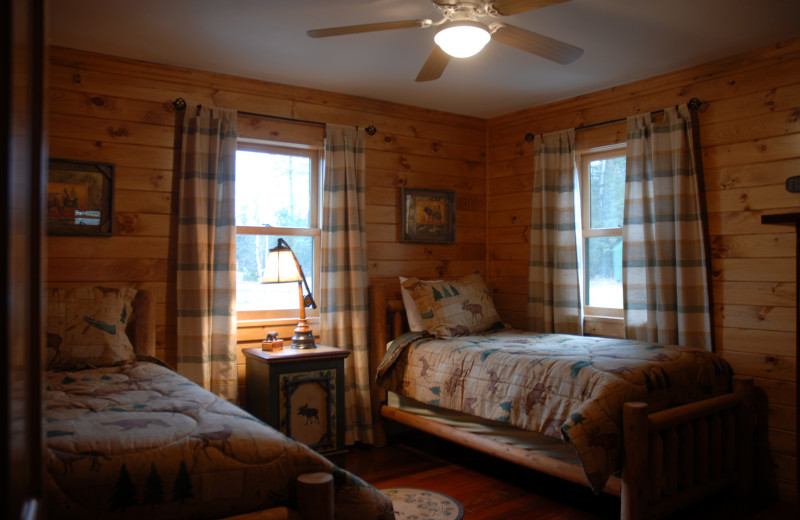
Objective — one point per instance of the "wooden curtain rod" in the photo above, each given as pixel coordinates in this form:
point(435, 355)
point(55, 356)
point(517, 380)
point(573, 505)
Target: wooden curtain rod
point(180, 104)
point(693, 104)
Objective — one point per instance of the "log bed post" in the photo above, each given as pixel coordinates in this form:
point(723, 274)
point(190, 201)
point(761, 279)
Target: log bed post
point(144, 323)
point(634, 467)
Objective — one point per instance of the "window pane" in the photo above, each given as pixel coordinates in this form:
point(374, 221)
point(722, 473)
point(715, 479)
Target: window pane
point(604, 272)
point(606, 192)
point(251, 255)
point(272, 189)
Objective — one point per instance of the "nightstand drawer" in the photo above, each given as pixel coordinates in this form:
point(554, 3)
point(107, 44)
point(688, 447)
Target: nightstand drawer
point(299, 392)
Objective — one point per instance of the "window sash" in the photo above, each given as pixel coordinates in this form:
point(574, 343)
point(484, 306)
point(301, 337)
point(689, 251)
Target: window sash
point(291, 312)
point(585, 158)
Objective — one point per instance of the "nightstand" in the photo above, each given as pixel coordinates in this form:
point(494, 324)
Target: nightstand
point(299, 392)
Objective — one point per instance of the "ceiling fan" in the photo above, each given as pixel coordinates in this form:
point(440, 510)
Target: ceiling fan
point(462, 34)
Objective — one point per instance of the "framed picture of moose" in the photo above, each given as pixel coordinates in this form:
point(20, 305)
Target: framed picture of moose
point(80, 198)
point(427, 216)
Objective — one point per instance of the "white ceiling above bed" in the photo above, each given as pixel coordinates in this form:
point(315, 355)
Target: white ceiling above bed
point(623, 40)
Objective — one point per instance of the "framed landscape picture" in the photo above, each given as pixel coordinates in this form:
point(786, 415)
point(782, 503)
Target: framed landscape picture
point(80, 198)
point(427, 216)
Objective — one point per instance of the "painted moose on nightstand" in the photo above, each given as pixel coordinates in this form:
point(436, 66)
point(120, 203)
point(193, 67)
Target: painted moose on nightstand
point(309, 413)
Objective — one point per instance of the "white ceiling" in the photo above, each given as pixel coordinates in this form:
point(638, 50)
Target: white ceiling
point(624, 40)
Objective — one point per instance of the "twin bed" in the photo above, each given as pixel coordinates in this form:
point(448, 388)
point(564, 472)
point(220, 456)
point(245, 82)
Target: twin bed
point(659, 426)
point(130, 438)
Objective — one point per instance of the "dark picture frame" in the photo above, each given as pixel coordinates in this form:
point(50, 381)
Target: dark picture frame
point(80, 198)
point(427, 216)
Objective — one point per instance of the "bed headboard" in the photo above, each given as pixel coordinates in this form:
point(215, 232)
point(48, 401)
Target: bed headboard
point(141, 328)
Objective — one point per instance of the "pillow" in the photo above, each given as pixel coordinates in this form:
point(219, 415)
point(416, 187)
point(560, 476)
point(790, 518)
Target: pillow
point(415, 323)
point(86, 327)
point(454, 307)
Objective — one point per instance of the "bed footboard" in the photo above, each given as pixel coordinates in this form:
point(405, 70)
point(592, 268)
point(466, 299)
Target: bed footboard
point(678, 456)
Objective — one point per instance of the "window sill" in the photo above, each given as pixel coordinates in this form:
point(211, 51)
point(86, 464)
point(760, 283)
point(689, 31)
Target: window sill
point(606, 326)
point(263, 322)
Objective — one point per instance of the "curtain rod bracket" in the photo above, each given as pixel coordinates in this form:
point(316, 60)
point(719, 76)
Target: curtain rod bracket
point(529, 137)
point(371, 130)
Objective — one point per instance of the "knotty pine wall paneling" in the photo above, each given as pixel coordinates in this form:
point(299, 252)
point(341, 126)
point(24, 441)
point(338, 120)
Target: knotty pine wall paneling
point(117, 110)
point(750, 137)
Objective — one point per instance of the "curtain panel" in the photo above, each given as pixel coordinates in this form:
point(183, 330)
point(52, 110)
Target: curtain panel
point(343, 296)
point(206, 280)
point(665, 278)
point(554, 296)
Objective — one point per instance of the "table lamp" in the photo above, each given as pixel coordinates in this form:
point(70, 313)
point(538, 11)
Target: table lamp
point(282, 267)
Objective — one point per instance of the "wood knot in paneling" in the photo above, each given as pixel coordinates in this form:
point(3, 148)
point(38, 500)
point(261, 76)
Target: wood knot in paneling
point(125, 223)
point(117, 132)
point(435, 147)
point(388, 139)
point(76, 78)
point(404, 163)
point(719, 247)
point(98, 101)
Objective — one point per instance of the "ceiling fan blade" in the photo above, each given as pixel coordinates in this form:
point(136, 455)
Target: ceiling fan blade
point(434, 65)
point(509, 7)
point(538, 44)
point(368, 27)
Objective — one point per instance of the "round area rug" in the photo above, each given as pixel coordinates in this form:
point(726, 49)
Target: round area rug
point(423, 504)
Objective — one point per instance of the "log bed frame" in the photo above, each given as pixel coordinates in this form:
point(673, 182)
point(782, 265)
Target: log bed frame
point(671, 458)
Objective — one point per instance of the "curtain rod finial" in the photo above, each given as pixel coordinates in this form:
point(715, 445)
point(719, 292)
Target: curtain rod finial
point(179, 104)
point(696, 104)
point(371, 130)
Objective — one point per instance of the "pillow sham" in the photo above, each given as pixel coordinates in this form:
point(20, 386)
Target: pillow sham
point(415, 323)
point(454, 307)
point(86, 327)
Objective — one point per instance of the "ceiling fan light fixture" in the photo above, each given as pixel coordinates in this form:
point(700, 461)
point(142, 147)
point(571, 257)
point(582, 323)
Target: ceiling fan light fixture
point(462, 39)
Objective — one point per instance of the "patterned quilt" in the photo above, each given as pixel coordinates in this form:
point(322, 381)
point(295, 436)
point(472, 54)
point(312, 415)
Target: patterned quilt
point(140, 441)
point(568, 387)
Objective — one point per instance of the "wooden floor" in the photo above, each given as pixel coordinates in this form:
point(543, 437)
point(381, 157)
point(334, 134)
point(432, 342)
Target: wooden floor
point(492, 489)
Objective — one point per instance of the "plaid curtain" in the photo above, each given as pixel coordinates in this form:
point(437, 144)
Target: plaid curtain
point(665, 283)
point(206, 282)
point(343, 298)
point(554, 297)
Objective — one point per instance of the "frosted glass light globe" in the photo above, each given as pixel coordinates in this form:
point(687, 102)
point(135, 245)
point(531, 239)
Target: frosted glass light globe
point(462, 39)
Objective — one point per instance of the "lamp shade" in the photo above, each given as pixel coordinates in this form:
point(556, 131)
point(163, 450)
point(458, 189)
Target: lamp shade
point(281, 266)
point(462, 39)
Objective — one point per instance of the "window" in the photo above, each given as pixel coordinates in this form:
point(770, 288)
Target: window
point(602, 204)
point(276, 196)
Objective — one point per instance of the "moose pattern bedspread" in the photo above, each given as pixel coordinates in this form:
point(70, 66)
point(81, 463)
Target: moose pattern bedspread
point(140, 441)
point(563, 386)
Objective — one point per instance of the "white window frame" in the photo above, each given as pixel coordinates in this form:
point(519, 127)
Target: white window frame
point(584, 159)
point(291, 312)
